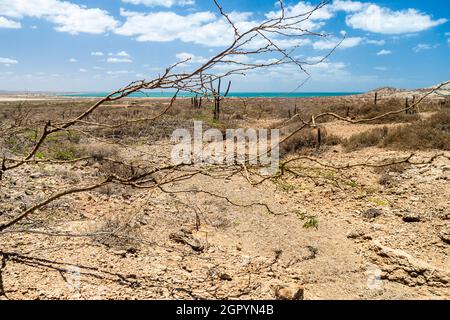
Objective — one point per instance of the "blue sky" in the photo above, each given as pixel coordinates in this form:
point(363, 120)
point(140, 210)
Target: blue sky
point(100, 45)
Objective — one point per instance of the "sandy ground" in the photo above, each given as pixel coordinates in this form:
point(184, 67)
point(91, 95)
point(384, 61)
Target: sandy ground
point(247, 252)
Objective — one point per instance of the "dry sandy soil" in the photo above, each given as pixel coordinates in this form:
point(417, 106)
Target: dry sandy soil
point(366, 240)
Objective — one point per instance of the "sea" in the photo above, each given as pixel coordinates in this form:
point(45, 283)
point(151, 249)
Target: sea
point(285, 95)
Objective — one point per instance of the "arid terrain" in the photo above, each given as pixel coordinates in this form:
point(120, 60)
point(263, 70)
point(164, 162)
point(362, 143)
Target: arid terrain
point(364, 214)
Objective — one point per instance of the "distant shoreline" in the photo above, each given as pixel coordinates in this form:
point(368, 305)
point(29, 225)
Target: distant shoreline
point(16, 96)
point(231, 95)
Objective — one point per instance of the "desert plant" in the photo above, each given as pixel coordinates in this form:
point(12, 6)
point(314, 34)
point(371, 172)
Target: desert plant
point(308, 139)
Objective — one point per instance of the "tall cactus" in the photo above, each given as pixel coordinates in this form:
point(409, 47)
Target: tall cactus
point(218, 98)
point(196, 102)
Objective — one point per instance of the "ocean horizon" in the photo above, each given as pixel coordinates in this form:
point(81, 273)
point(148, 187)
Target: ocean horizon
point(230, 95)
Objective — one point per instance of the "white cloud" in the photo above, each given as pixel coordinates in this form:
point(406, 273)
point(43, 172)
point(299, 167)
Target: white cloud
point(67, 16)
point(73, 60)
point(113, 73)
point(328, 44)
point(8, 61)
point(191, 58)
point(119, 60)
point(423, 46)
point(210, 29)
point(7, 73)
point(10, 24)
point(347, 6)
point(316, 17)
point(381, 68)
point(315, 59)
point(324, 70)
point(83, 70)
point(384, 52)
point(169, 26)
point(119, 57)
point(97, 54)
point(123, 54)
point(205, 28)
point(163, 3)
point(376, 42)
point(374, 18)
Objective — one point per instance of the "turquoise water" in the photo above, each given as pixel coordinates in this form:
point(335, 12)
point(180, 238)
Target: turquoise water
point(231, 94)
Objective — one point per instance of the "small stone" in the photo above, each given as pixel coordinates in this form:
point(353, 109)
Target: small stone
point(225, 277)
point(290, 292)
point(445, 234)
point(372, 213)
point(246, 261)
point(185, 237)
point(121, 253)
point(411, 217)
point(355, 234)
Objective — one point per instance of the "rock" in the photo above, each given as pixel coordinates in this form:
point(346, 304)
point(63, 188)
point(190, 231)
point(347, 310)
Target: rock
point(399, 266)
point(246, 260)
point(358, 234)
point(410, 216)
point(372, 213)
point(121, 253)
point(290, 292)
point(445, 234)
point(187, 238)
point(225, 277)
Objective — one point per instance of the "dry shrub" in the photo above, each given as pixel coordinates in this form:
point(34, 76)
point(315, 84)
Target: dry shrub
point(118, 169)
point(432, 133)
point(100, 152)
point(369, 110)
point(363, 110)
point(308, 139)
point(365, 139)
point(119, 234)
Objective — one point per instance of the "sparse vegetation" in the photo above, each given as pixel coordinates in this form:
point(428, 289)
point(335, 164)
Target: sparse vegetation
point(311, 222)
point(431, 133)
point(308, 139)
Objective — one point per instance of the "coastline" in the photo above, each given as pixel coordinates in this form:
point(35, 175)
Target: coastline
point(5, 97)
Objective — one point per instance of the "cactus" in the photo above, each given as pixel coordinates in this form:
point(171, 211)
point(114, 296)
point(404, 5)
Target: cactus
point(218, 98)
point(196, 102)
